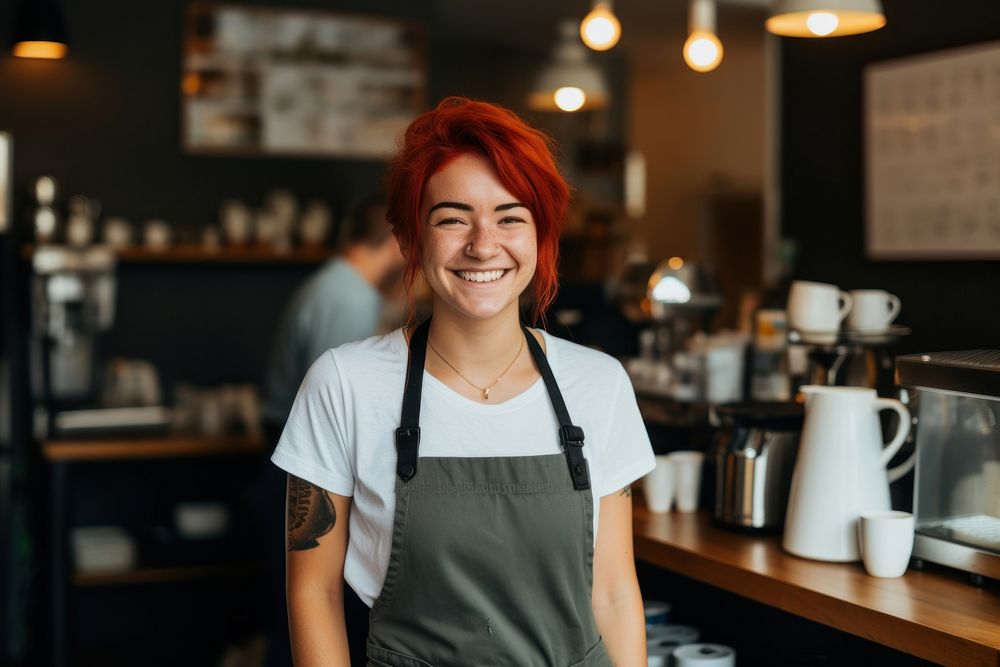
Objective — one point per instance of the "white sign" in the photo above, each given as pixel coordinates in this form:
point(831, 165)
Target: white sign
point(933, 155)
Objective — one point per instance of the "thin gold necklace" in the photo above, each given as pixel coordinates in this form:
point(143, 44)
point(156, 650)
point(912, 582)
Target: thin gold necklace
point(484, 390)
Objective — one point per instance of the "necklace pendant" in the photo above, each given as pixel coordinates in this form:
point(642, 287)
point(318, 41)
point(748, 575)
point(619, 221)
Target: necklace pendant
point(486, 394)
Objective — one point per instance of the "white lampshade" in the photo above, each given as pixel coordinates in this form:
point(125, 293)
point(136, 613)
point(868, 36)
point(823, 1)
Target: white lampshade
point(571, 74)
point(824, 18)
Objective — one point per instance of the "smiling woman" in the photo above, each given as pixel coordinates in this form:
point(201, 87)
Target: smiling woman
point(522, 164)
point(474, 535)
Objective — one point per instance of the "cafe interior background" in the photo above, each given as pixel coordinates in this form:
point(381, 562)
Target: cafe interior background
point(193, 142)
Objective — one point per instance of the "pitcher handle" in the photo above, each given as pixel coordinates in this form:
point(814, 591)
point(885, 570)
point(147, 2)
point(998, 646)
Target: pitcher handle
point(902, 430)
point(903, 468)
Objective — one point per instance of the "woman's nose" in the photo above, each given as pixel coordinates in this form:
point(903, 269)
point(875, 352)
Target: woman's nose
point(482, 244)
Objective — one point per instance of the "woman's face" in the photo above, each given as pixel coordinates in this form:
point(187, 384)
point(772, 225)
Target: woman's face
point(478, 241)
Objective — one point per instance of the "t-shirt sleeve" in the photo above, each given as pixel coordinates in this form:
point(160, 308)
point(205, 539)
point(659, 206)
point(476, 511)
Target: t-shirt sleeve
point(627, 454)
point(316, 444)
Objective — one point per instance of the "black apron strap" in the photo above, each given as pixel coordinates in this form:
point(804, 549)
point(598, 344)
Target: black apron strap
point(408, 433)
point(570, 436)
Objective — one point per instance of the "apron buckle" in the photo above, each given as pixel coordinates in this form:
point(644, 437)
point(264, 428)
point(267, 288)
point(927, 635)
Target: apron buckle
point(572, 441)
point(571, 435)
point(407, 440)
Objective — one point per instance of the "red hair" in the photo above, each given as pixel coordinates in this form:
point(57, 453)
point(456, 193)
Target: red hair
point(522, 157)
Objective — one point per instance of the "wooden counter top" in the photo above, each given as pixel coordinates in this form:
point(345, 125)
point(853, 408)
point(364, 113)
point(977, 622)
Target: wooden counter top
point(935, 614)
point(162, 447)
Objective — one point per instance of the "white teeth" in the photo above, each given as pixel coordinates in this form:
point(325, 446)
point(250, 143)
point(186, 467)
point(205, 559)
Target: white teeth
point(481, 276)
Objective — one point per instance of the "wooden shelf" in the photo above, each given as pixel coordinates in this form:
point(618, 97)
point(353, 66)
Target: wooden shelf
point(226, 255)
point(172, 446)
point(159, 575)
point(935, 614)
point(197, 254)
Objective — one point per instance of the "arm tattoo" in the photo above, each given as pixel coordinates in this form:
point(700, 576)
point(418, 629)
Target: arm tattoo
point(310, 514)
point(627, 491)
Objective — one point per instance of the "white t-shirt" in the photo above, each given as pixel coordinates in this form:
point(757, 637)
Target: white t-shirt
point(340, 432)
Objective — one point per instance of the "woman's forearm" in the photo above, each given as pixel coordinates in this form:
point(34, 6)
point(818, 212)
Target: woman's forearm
point(621, 622)
point(317, 630)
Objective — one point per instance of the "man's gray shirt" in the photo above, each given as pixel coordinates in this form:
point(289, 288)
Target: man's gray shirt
point(335, 306)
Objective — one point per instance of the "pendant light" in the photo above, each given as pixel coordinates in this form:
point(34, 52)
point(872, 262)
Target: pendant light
point(825, 18)
point(702, 50)
point(39, 30)
point(600, 29)
point(569, 83)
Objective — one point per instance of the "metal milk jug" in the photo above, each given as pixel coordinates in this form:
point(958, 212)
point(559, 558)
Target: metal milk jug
point(841, 470)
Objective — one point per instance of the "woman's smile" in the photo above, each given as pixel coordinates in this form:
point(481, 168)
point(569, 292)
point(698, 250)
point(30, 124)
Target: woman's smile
point(482, 277)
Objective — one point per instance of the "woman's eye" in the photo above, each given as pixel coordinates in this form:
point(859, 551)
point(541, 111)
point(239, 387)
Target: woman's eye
point(450, 221)
point(511, 220)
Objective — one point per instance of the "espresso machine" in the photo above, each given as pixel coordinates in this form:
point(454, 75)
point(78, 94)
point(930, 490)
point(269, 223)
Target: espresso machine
point(73, 295)
point(956, 499)
point(73, 307)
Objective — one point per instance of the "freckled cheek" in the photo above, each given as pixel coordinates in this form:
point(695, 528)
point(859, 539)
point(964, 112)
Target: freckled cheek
point(527, 255)
point(437, 256)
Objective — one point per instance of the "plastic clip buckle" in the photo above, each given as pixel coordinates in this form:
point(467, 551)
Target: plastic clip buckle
point(407, 440)
point(571, 435)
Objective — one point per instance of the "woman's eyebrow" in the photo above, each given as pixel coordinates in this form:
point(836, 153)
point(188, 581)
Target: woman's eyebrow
point(466, 207)
point(450, 204)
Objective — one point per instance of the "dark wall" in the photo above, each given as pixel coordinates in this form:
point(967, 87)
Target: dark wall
point(949, 305)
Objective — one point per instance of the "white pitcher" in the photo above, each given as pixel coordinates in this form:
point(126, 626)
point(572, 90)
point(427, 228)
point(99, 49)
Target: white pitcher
point(840, 471)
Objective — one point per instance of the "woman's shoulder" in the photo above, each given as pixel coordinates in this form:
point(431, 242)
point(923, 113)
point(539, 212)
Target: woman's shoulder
point(360, 361)
point(385, 344)
point(570, 357)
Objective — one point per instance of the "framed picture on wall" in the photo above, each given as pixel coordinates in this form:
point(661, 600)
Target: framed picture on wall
point(274, 81)
point(932, 151)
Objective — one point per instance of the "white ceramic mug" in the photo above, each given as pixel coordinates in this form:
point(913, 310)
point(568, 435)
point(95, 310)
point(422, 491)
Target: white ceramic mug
point(873, 310)
point(687, 478)
point(885, 539)
point(817, 307)
point(658, 485)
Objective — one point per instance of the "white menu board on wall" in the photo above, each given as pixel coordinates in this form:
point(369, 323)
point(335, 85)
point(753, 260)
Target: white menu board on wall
point(932, 149)
point(299, 82)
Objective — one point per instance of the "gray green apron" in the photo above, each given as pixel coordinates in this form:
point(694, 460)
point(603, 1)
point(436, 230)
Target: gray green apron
point(492, 557)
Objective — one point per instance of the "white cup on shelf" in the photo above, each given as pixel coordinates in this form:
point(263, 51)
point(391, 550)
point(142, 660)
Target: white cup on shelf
point(704, 655)
point(817, 308)
point(873, 310)
point(687, 478)
point(658, 486)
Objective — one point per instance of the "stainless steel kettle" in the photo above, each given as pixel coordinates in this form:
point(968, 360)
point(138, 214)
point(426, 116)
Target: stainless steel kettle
point(755, 449)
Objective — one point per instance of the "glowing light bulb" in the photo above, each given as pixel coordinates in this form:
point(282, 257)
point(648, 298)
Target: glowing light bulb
point(702, 51)
point(600, 29)
point(570, 98)
point(822, 24)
